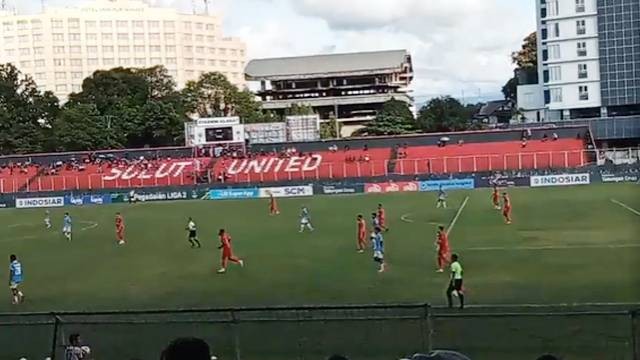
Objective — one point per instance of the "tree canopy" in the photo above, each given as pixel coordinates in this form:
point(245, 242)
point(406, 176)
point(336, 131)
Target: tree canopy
point(445, 114)
point(526, 61)
point(394, 118)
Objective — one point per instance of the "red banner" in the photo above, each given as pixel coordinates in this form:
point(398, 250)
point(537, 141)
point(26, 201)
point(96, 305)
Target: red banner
point(391, 187)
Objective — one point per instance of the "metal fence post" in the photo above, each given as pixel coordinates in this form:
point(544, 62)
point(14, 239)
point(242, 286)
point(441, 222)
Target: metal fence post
point(236, 335)
point(54, 341)
point(429, 322)
point(633, 315)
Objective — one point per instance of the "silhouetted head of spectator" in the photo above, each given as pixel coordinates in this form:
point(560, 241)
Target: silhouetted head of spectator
point(548, 357)
point(337, 357)
point(186, 349)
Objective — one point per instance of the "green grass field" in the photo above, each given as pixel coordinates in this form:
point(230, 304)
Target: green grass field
point(567, 245)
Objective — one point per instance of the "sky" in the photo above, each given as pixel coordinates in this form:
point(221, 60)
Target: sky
point(459, 47)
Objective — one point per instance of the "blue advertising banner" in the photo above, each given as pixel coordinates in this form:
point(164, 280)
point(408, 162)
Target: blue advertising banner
point(225, 194)
point(448, 184)
point(87, 200)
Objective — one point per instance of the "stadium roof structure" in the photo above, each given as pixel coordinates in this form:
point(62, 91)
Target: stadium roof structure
point(329, 65)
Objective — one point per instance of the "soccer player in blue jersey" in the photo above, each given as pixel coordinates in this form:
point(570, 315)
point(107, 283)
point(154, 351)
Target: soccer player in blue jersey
point(15, 279)
point(305, 219)
point(442, 199)
point(66, 226)
point(378, 248)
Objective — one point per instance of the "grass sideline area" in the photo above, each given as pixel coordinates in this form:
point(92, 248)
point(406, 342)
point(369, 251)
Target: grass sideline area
point(568, 245)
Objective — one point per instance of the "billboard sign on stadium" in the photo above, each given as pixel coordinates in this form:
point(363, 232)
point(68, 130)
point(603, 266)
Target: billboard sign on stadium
point(561, 180)
point(228, 194)
point(618, 178)
point(87, 200)
point(391, 187)
point(287, 191)
point(342, 189)
point(44, 202)
point(448, 184)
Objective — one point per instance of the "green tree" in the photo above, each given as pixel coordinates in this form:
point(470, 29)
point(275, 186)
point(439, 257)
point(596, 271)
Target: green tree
point(526, 61)
point(26, 114)
point(212, 95)
point(395, 118)
point(80, 127)
point(444, 114)
point(299, 109)
point(330, 129)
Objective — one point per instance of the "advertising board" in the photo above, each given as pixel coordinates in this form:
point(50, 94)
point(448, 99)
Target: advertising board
point(226, 194)
point(391, 187)
point(447, 184)
point(561, 180)
point(41, 202)
point(287, 191)
point(341, 189)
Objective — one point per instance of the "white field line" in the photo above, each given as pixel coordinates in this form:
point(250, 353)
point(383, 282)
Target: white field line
point(551, 247)
point(455, 218)
point(560, 305)
point(406, 219)
point(91, 225)
point(626, 206)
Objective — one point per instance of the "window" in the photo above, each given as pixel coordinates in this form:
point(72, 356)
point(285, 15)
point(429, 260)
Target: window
point(56, 24)
point(76, 88)
point(61, 88)
point(140, 61)
point(38, 50)
point(173, 73)
point(154, 36)
point(123, 36)
point(169, 24)
point(170, 49)
point(106, 24)
point(212, 50)
point(186, 37)
point(211, 27)
point(190, 74)
point(170, 61)
point(188, 49)
point(156, 61)
point(170, 37)
point(199, 38)
point(36, 24)
point(89, 24)
point(108, 61)
point(580, 8)
point(22, 39)
point(61, 75)
point(107, 36)
point(222, 51)
point(123, 49)
point(25, 51)
point(199, 26)
point(75, 49)
point(76, 75)
point(582, 49)
point(40, 76)
point(138, 49)
point(154, 48)
point(555, 73)
point(138, 36)
point(76, 62)
point(39, 63)
point(234, 52)
point(212, 62)
point(92, 49)
point(554, 51)
point(241, 52)
point(74, 37)
point(58, 49)
point(555, 30)
point(57, 37)
point(200, 62)
point(186, 25)
point(122, 24)
point(22, 25)
point(107, 49)
point(556, 94)
point(583, 93)
point(154, 24)
point(211, 39)
point(10, 52)
point(124, 61)
point(92, 62)
point(581, 27)
point(138, 24)
point(188, 61)
point(223, 63)
point(25, 64)
point(73, 23)
point(582, 71)
point(37, 37)
point(92, 37)
point(234, 63)
point(200, 49)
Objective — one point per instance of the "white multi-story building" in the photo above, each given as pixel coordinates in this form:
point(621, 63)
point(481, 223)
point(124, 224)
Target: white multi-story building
point(61, 46)
point(588, 60)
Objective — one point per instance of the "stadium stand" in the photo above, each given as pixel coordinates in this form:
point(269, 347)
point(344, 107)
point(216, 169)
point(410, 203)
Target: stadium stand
point(414, 155)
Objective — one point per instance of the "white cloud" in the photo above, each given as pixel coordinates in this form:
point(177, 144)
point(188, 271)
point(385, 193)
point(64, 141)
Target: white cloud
point(457, 45)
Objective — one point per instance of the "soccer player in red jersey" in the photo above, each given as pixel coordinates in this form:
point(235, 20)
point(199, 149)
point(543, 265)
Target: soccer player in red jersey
point(495, 198)
point(382, 222)
point(120, 229)
point(227, 252)
point(506, 208)
point(442, 244)
point(273, 205)
point(362, 234)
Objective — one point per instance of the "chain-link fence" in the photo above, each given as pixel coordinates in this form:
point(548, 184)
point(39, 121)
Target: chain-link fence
point(361, 332)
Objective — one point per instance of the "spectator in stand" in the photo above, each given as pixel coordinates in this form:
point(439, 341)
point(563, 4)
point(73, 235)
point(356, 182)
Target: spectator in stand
point(75, 350)
point(460, 142)
point(187, 349)
point(545, 137)
point(524, 142)
point(555, 136)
